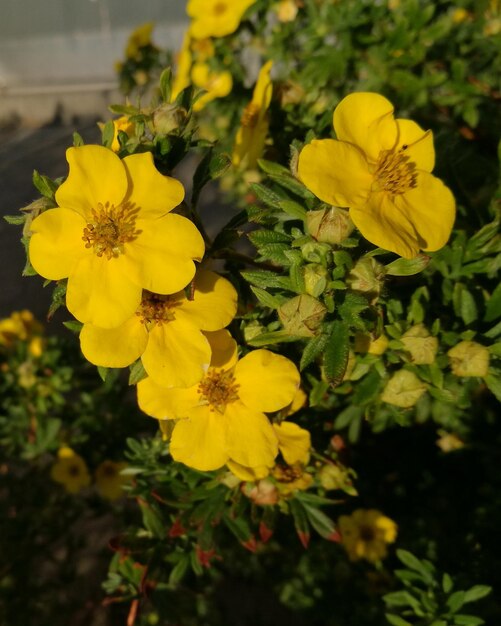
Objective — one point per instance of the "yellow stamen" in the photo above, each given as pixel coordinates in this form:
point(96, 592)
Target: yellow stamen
point(111, 228)
point(395, 172)
point(218, 389)
point(155, 309)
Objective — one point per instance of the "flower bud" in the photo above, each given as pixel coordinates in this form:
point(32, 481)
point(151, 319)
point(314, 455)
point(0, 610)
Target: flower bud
point(469, 358)
point(332, 477)
point(168, 117)
point(331, 225)
point(315, 279)
point(403, 389)
point(286, 10)
point(421, 346)
point(367, 277)
point(302, 315)
point(316, 252)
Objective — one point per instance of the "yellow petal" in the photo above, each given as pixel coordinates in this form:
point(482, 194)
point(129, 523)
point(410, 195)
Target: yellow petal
point(262, 93)
point(417, 143)
point(214, 302)
point(384, 225)
point(431, 208)
point(160, 259)
point(114, 347)
point(224, 349)
point(153, 192)
point(56, 244)
point(250, 438)
point(199, 441)
point(215, 18)
point(366, 120)
point(247, 474)
point(294, 442)
point(97, 175)
point(101, 293)
point(163, 403)
point(177, 354)
point(215, 84)
point(268, 381)
point(336, 172)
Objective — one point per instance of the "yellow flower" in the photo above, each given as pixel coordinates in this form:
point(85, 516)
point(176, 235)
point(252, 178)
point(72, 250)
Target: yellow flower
point(447, 442)
point(251, 136)
point(216, 84)
point(20, 326)
point(182, 78)
point(139, 38)
point(126, 126)
point(166, 332)
point(380, 168)
point(366, 533)
point(286, 10)
point(469, 358)
point(403, 389)
point(70, 470)
point(223, 417)
point(112, 235)
point(216, 18)
point(421, 346)
point(109, 481)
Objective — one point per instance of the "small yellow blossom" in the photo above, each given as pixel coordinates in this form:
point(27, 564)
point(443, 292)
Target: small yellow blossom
point(286, 10)
point(166, 332)
point(460, 15)
point(421, 346)
point(124, 125)
point(70, 470)
point(403, 389)
point(223, 417)
point(469, 358)
point(366, 533)
point(216, 18)
point(109, 481)
point(182, 77)
point(113, 235)
point(448, 442)
point(380, 168)
point(139, 38)
point(291, 478)
point(20, 326)
point(215, 84)
point(251, 136)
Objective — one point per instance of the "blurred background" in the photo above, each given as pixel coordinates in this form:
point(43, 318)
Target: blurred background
point(57, 76)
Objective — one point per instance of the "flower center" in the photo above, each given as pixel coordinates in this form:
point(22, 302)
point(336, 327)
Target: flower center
point(250, 115)
point(218, 389)
point(395, 172)
point(155, 309)
point(111, 228)
point(367, 533)
point(287, 473)
point(220, 8)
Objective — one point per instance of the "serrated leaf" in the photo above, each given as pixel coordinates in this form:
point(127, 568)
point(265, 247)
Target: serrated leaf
point(313, 349)
point(290, 183)
point(262, 237)
point(336, 352)
point(265, 279)
point(269, 167)
point(297, 278)
point(137, 372)
point(293, 209)
point(351, 308)
point(268, 197)
point(15, 219)
point(265, 298)
point(44, 184)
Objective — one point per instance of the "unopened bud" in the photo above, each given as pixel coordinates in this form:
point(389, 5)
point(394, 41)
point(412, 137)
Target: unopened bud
point(331, 225)
point(168, 117)
point(316, 252)
point(315, 279)
point(403, 389)
point(302, 315)
point(367, 277)
point(421, 346)
point(469, 358)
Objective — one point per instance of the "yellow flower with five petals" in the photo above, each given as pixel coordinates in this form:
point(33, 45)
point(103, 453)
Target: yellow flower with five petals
point(366, 533)
point(223, 417)
point(166, 332)
point(112, 235)
point(380, 167)
point(216, 18)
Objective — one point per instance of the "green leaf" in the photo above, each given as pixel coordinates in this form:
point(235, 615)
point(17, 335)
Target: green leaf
point(108, 133)
point(300, 521)
point(293, 185)
point(455, 601)
point(276, 336)
point(261, 237)
point(212, 166)
point(265, 279)
point(313, 348)
point(103, 372)
point(152, 520)
point(468, 620)
point(425, 569)
point(351, 308)
point(407, 267)
point(265, 298)
point(368, 389)
point(77, 140)
point(494, 385)
point(293, 209)
point(238, 527)
point(464, 304)
point(336, 352)
point(324, 526)
point(402, 598)
point(269, 167)
point(179, 569)
point(477, 592)
point(493, 306)
point(137, 372)
point(16, 220)
point(266, 196)
point(73, 325)
point(395, 620)
point(165, 84)
point(347, 416)
point(44, 184)
point(447, 583)
point(297, 278)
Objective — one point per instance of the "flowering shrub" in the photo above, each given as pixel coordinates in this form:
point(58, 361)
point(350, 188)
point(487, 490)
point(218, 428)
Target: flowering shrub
point(322, 365)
